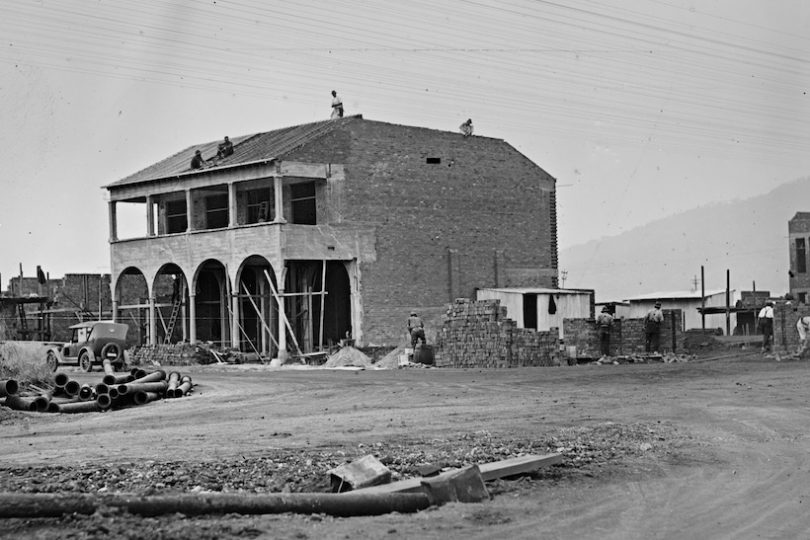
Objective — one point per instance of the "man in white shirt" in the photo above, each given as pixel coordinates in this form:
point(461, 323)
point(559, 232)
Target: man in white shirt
point(337, 106)
point(766, 325)
point(803, 327)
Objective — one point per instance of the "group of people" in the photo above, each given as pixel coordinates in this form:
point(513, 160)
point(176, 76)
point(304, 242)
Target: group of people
point(765, 323)
point(224, 149)
point(652, 329)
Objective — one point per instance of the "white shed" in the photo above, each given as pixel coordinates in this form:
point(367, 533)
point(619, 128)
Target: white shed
point(687, 301)
point(539, 308)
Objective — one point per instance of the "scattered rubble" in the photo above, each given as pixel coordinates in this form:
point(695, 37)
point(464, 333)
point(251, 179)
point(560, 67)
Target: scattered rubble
point(348, 356)
point(666, 358)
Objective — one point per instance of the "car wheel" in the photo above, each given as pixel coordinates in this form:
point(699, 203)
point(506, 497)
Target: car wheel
point(86, 361)
point(111, 352)
point(52, 361)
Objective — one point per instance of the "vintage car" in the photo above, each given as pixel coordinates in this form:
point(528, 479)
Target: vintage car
point(91, 343)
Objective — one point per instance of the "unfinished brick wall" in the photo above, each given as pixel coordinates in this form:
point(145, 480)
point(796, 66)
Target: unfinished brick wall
point(626, 335)
point(479, 214)
point(785, 335)
point(478, 334)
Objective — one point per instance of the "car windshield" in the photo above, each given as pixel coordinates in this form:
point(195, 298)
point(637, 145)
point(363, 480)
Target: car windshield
point(109, 330)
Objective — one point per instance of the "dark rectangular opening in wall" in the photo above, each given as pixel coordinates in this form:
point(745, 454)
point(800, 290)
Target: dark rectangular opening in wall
point(530, 311)
point(433, 160)
point(260, 205)
point(176, 219)
point(303, 203)
point(216, 211)
point(801, 256)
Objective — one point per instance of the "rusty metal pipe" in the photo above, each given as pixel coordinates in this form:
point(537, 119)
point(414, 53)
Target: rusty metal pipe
point(185, 386)
point(141, 398)
point(102, 388)
point(133, 387)
point(19, 403)
point(138, 372)
point(60, 379)
point(108, 367)
point(36, 505)
point(104, 401)
point(117, 379)
point(85, 392)
point(9, 387)
point(79, 407)
point(72, 388)
point(155, 376)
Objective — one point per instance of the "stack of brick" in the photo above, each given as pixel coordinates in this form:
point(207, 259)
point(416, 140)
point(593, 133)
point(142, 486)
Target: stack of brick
point(478, 334)
point(626, 335)
point(175, 354)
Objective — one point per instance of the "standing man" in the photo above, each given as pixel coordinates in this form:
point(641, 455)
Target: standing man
point(803, 326)
point(416, 328)
point(652, 328)
point(603, 322)
point(337, 106)
point(766, 325)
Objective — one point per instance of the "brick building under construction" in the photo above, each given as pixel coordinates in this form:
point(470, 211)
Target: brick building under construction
point(307, 234)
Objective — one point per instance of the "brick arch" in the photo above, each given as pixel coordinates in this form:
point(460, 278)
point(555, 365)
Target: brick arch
point(209, 291)
point(257, 306)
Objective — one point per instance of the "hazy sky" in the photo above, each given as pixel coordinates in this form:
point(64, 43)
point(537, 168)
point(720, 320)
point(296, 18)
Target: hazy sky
point(639, 108)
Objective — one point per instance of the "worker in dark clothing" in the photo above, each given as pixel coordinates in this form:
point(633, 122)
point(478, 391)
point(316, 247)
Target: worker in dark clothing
point(197, 161)
point(652, 328)
point(766, 326)
point(416, 328)
point(603, 323)
point(175, 288)
point(225, 148)
point(466, 128)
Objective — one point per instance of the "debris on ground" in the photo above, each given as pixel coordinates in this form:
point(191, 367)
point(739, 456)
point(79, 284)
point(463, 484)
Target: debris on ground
point(348, 356)
point(364, 472)
point(646, 358)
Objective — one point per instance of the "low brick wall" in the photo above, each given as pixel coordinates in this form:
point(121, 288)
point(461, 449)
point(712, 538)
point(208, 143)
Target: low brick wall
point(175, 354)
point(479, 334)
point(785, 335)
point(626, 335)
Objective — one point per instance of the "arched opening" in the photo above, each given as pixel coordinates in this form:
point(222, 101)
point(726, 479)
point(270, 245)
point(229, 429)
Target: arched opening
point(211, 302)
point(170, 290)
point(132, 296)
point(258, 309)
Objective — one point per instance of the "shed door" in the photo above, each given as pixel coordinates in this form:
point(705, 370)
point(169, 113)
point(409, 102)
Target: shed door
point(530, 311)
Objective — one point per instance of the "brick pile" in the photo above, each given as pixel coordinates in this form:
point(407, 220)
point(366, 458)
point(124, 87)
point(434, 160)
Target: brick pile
point(479, 334)
point(174, 354)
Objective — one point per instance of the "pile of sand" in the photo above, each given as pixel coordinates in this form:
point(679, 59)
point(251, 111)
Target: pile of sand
point(391, 360)
point(348, 356)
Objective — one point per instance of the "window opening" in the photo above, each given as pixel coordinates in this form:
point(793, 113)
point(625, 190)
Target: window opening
point(302, 197)
point(216, 211)
point(801, 256)
point(176, 218)
point(260, 205)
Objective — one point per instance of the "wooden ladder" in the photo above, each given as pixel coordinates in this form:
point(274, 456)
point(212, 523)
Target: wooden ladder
point(172, 321)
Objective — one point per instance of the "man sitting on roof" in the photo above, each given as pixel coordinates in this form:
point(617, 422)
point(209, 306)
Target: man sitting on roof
point(197, 161)
point(225, 148)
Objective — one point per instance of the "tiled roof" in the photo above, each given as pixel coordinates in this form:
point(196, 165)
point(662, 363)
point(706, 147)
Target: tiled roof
point(246, 149)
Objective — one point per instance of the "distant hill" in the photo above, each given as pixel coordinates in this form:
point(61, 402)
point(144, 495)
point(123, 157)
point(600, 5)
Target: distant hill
point(748, 237)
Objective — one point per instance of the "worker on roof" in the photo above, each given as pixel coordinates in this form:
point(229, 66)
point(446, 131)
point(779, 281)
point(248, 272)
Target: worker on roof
point(416, 328)
point(466, 128)
point(197, 161)
point(225, 148)
point(603, 322)
point(652, 328)
point(337, 106)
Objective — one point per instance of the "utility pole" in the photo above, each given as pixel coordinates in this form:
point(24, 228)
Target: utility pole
point(695, 283)
point(702, 299)
point(563, 275)
point(728, 302)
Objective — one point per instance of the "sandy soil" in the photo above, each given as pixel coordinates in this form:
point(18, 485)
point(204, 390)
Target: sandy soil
point(739, 466)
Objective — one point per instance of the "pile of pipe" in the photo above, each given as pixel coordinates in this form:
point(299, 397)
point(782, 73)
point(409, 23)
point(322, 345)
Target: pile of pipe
point(116, 391)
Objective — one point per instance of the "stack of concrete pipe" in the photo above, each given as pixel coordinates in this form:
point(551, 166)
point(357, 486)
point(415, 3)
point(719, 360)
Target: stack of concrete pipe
point(116, 391)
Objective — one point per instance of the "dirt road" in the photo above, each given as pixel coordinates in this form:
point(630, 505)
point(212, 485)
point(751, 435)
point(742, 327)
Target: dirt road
point(728, 454)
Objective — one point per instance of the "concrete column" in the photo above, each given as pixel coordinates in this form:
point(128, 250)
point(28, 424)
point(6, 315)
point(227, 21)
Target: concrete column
point(150, 215)
point(192, 318)
point(152, 322)
point(279, 201)
point(189, 212)
point(184, 318)
point(232, 221)
point(235, 333)
point(113, 219)
point(115, 310)
point(282, 327)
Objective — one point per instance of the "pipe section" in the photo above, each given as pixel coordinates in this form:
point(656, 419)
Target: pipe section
point(9, 387)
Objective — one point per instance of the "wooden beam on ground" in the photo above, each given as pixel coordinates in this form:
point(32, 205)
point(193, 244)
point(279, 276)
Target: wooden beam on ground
point(489, 471)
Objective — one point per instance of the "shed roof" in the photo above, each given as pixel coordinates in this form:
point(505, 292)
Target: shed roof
point(673, 295)
point(536, 290)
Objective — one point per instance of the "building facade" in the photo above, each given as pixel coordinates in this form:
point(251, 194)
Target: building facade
point(306, 235)
point(799, 237)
